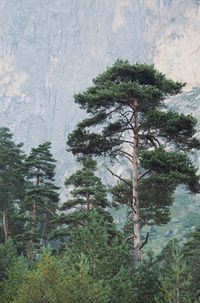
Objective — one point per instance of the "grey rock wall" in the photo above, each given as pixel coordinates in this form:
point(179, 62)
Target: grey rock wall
point(50, 49)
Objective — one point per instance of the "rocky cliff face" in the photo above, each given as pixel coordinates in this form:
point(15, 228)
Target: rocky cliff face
point(51, 49)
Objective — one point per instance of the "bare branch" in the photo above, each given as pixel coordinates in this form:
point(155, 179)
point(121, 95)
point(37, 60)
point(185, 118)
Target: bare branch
point(128, 120)
point(157, 141)
point(127, 158)
point(117, 131)
point(50, 211)
point(145, 241)
point(126, 141)
point(143, 174)
point(112, 111)
point(128, 238)
point(124, 154)
point(120, 178)
point(152, 139)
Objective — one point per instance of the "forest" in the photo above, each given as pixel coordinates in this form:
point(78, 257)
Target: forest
point(70, 251)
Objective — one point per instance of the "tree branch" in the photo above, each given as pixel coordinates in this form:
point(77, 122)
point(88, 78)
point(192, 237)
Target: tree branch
point(152, 139)
point(145, 241)
point(128, 238)
point(128, 120)
point(143, 174)
point(117, 131)
point(50, 211)
point(125, 154)
point(126, 141)
point(113, 111)
point(120, 178)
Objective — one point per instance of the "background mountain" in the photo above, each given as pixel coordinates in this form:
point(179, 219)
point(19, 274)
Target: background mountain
point(51, 49)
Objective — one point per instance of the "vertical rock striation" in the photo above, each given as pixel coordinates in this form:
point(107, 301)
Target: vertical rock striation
point(51, 49)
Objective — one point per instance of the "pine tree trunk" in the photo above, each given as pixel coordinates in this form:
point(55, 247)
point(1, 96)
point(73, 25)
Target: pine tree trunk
point(43, 232)
point(5, 224)
point(32, 232)
point(33, 224)
point(135, 201)
point(88, 202)
point(177, 295)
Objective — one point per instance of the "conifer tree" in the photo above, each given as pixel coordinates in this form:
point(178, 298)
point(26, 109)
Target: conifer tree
point(41, 195)
point(87, 193)
point(191, 251)
point(12, 183)
point(54, 279)
point(129, 120)
point(174, 279)
point(146, 280)
point(109, 258)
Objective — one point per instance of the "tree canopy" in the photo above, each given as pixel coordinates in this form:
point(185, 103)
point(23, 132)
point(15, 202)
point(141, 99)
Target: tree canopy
point(128, 119)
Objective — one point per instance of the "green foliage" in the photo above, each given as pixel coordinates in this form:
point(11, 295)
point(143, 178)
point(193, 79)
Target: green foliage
point(100, 241)
point(40, 163)
point(12, 269)
point(155, 200)
point(96, 267)
point(171, 167)
point(11, 166)
point(110, 99)
point(192, 257)
point(157, 142)
point(172, 126)
point(16, 276)
point(146, 281)
point(96, 262)
point(83, 141)
point(174, 278)
point(87, 193)
point(12, 183)
point(122, 82)
point(88, 189)
point(107, 255)
point(7, 256)
point(57, 279)
point(41, 198)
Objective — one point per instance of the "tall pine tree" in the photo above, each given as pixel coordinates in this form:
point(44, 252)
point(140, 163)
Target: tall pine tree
point(88, 193)
point(174, 278)
point(129, 119)
point(192, 257)
point(12, 183)
point(42, 197)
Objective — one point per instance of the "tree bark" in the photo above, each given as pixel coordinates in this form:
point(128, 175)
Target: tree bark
point(32, 232)
point(88, 202)
point(43, 232)
point(33, 223)
point(135, 200)
point(5, 224)
point(177, 295)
